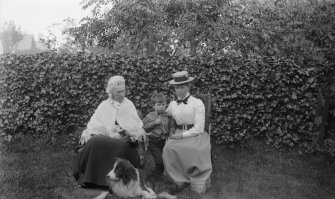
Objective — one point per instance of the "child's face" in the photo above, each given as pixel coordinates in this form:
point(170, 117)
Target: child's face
point(160, 106)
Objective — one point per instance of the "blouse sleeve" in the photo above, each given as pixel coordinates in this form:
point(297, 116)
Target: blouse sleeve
point(128, 117)
point(168, 110)
point(95, 125)
point(199, 121)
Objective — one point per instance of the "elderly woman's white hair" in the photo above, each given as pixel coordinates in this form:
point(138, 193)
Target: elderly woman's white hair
point(114, 81)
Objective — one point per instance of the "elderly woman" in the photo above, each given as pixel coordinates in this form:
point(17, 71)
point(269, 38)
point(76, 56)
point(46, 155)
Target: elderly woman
point(111, 132)
point(187, 152)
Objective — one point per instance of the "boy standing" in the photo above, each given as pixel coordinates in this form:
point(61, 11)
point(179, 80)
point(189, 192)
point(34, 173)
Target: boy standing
point(159, 125)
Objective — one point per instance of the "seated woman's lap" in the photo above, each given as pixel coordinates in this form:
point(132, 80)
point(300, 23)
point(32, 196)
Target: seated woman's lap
point(107, 147)
point(97, 157)
point(187, 158)
point(198, 143)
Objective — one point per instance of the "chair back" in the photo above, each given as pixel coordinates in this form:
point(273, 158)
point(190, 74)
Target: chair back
point(206, 99)
point(140, 114)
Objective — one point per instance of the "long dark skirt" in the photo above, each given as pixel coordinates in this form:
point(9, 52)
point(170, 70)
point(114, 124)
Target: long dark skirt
point(96, 159)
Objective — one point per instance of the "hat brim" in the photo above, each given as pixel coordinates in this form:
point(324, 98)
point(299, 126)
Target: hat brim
point(182, 82)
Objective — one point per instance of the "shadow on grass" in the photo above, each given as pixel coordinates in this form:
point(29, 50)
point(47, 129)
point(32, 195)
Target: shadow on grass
point(254, 173)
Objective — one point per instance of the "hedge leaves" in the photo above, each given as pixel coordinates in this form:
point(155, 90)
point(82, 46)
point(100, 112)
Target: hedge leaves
point(269, 98)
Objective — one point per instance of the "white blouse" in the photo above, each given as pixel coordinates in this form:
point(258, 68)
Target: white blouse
point(103, 120)
point(191, 113)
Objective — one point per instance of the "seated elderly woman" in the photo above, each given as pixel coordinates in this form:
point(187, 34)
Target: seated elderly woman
point(111, 132)
point(187, 152)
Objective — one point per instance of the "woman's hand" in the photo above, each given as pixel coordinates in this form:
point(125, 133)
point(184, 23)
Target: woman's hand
point(85, 136)
point(117, 129)
point(126, 133)
point(177, 136)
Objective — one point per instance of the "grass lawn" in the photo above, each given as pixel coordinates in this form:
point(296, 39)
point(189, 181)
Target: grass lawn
point(258, 172)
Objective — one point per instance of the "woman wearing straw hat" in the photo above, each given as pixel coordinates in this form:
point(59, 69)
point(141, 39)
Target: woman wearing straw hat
point(111, 132)
point(187, 152)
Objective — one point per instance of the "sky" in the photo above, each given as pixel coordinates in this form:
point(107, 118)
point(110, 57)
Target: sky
point(34, 16)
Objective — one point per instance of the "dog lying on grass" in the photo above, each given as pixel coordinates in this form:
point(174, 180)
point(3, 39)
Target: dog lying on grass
point(126, 181)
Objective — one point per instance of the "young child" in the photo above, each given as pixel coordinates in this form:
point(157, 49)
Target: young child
point(158, 125)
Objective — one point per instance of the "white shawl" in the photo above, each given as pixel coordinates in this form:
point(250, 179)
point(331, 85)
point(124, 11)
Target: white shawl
point(103, 120)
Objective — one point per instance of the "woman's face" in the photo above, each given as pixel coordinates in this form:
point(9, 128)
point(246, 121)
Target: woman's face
point(118, 93)
point(182, 90)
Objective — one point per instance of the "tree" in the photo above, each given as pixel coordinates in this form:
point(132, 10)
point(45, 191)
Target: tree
point(49, 40)
point(295, 29)
point(58, 39)
point(33, 49)
point(10, 36)
point(149, 27)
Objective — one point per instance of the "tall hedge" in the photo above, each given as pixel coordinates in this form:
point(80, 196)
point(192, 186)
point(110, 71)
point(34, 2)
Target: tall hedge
point(269, 98)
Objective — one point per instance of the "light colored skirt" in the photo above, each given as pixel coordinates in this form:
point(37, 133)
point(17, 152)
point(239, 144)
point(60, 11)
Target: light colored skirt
point(189, 160)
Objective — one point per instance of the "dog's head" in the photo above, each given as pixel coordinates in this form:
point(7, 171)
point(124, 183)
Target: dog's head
point(122, 170)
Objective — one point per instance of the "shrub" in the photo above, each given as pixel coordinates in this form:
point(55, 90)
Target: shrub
point(266, 97)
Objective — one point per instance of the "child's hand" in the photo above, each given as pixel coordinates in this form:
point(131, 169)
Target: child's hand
point(158, 120)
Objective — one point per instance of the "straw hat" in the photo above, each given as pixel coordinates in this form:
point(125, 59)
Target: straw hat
point(181, 78)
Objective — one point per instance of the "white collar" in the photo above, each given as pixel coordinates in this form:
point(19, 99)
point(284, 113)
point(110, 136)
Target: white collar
point(115, 103)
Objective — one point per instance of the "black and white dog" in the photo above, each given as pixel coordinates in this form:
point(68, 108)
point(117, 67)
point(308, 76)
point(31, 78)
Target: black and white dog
point(127, 181)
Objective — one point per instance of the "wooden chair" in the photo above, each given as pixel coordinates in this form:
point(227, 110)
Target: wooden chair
point(206, 99)
point(140, 114)
point(141, 146)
